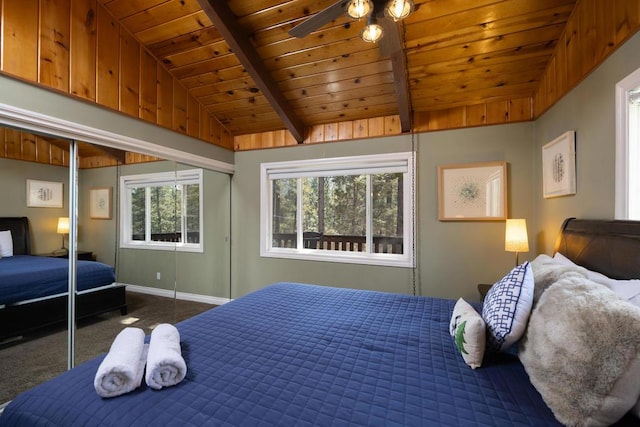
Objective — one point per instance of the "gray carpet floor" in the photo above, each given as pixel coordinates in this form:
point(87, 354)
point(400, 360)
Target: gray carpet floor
point(39, 357)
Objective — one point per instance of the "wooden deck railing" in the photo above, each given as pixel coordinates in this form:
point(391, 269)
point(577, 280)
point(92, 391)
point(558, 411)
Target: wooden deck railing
point(192, 237)
point(381, 244)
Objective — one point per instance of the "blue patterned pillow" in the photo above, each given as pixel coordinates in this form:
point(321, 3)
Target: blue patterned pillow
point(507, 307)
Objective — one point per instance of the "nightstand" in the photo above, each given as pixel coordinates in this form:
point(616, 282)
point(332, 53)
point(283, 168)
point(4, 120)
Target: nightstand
point(483, 288)
point(82, 255)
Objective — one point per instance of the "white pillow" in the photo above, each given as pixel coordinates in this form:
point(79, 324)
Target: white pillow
point(507, 307)
point(6, 244)
point(627, 289)
point(469, 333)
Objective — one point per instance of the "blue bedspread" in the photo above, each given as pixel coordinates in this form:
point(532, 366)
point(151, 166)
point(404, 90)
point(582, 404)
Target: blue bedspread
point(24, 277)
point(306, 355)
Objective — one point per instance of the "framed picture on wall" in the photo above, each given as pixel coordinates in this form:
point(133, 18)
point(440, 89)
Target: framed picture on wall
point(559, 166)
point(100, 203)
point(472, 192)
point(44, 194)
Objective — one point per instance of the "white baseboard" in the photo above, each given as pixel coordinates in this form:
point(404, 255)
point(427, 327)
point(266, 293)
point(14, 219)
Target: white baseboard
point(179, 295)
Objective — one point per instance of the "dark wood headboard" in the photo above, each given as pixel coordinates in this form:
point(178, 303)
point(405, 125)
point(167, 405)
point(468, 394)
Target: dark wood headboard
point(611, 247)
point(19, 227)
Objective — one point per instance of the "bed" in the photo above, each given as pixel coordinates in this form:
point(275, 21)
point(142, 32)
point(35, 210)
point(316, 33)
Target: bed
point(298, 354)
point(33, 289)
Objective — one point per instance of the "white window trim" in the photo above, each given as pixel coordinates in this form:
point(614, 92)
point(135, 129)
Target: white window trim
point(319, 167)
point(623, 88)
point(186, 177)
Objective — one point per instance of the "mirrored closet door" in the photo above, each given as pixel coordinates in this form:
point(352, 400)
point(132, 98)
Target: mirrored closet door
point(160, 227)
point(34, 185)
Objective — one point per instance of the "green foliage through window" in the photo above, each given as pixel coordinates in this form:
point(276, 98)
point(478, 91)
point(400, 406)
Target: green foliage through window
point(163, 208)
point(348, 209)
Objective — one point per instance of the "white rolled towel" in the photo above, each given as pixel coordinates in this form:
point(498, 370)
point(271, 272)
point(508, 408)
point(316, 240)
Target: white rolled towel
point(165, 365)
point(122, 368)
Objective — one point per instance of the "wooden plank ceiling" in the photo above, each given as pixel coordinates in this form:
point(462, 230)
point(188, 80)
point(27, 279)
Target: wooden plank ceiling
point(457, 53)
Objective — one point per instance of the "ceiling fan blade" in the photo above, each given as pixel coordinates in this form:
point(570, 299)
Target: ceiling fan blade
point(319, 19)
point(391, 42)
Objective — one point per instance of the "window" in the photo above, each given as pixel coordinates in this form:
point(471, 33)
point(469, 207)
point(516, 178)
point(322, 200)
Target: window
point(628, 147)
point(162, 211)
point(348, 209)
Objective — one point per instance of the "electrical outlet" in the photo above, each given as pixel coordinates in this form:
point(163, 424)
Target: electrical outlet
point(158, 276)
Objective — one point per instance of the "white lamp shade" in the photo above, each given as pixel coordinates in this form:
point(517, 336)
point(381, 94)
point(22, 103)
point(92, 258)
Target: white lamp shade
point(515, 236)
point(63, 225)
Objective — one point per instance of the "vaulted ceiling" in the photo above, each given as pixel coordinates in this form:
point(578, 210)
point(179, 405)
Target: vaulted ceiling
point(238, 59)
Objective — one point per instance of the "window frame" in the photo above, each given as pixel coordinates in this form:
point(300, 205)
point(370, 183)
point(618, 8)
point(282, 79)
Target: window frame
point(181, 177)
point(623, 89)
point(367, 165)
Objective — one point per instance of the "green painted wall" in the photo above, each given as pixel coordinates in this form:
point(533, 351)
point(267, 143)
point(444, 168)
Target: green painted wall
point(452, 256)
point(206, 273)
point(589, 109)
point(13, 193)
point(456, 256)
point(97, 235)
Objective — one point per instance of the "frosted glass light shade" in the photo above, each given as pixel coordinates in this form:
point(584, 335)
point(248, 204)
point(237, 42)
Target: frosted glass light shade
point(372, 32)
point(398, 9)
point(358, 9)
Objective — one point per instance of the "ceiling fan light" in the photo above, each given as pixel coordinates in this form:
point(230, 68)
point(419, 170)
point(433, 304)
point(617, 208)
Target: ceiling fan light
point(398, 9)
point(358, 9)
point(372, 32)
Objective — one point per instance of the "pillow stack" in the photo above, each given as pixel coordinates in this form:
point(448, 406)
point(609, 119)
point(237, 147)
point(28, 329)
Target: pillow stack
point(505, 314)
point(579, 335)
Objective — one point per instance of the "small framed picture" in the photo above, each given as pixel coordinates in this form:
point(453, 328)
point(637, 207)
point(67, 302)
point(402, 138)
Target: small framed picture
point(44, 194)
point(472, 192)
point(100, 203)
point(559, 166)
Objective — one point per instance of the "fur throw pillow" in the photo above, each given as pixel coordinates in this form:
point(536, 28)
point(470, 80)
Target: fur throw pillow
point(582, 352)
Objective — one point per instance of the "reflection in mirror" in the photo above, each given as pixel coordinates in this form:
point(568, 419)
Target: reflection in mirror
point(205, 275)
point(34, 177)
point(167, 235)
point(176, 271)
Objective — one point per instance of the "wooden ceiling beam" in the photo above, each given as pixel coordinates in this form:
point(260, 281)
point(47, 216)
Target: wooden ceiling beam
point(118, 155)
point(227, 24)
point(393, 45)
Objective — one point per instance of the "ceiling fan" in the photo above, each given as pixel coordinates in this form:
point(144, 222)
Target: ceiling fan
point(390, 12)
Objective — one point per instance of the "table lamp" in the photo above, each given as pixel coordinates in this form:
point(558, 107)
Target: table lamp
point(515, 237)
point(63, 228)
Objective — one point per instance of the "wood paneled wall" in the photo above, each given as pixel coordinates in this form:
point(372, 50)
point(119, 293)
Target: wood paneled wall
point(594, 30)
point(490, 113)
point(330, 132)
point(78, 48)
point(18, 145)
